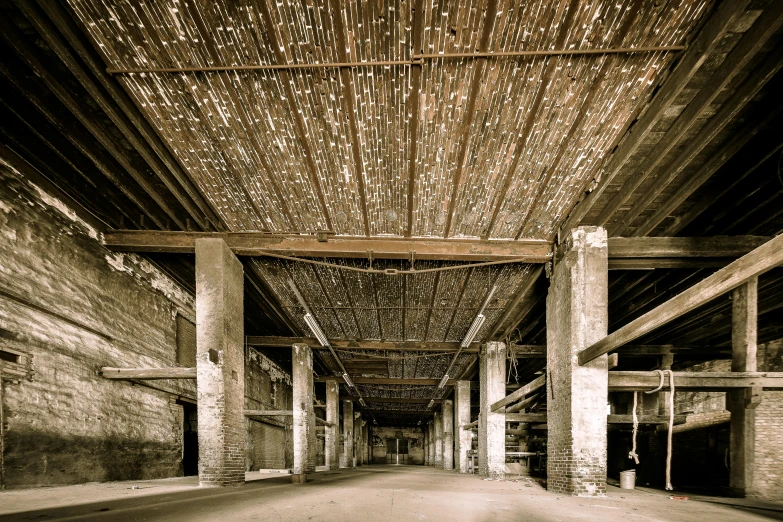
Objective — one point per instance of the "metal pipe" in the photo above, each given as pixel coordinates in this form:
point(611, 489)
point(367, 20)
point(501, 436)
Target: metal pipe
point(415, 60)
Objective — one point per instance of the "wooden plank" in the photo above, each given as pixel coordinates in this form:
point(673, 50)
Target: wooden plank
point(687, 247)
point(520, 393)
point(147, 373)
point(760, 260)
point(636, 381)
point(526, 417)
point(723, 18)
point(404, 346)
point(256, 243)
point(398, 400)
point(269, 413)
point(390, 380)
point(644, 419)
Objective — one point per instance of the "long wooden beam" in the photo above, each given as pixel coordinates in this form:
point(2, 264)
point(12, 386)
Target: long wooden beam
point(268, 413)
point(687, 247)
point(147, 373)
point(758, 261)
point(722, 20)
point(636, 381)
point(403, 346)
point(258, 243)
point(389, 380)
point(519, 394)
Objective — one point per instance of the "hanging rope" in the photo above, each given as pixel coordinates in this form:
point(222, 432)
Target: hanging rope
point(632, 454)
point(669, 434)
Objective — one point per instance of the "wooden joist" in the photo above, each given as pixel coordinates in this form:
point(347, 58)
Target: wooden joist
point(634, 253)
point(706, 41)
point(268, 413)
point(753, 264)
point(644, 419)
point(638, 381)
point(389, 380)
point(259, 243)
point(147, 373)
point(519, 394)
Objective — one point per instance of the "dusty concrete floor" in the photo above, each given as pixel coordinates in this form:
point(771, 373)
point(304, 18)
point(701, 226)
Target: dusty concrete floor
point(368, 493)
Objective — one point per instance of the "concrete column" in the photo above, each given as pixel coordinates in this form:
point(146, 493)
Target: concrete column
point(332, 435)
point(347, 435)
point(438, 428)
point(742, 403)
point(448, 435)
point(576, 317)
point(357, 441)
point(304, 416)
point(426, 446)
point(492, 426)
point(431, 439)
point(220, 364)
point(462, 438)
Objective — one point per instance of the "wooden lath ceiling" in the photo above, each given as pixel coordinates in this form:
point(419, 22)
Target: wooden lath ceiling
point(432, 306)
point(504, 147)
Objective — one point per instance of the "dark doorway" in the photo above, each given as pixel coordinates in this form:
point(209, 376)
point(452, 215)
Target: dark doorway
point(396, 451)
point(189, 440)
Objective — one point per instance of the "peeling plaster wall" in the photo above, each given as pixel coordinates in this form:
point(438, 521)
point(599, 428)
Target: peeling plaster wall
point(72, 306)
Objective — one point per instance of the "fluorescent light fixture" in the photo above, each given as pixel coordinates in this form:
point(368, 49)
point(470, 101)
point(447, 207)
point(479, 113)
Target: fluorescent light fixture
point(316, 329)
point(443, 381)
point(361, 401)
point(418, 423)
point(478, 322)
point(431, 404)
point(348, 380)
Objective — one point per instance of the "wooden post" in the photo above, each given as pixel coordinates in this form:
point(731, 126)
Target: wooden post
point(742, 403)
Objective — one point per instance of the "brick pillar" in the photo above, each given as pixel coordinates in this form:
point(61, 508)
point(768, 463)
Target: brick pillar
point(448, 435)
point(742, 403)
point(332, 435)
point(426, 439)
point(220, 364)
point(431, 438)
point(437, 426)
point(347, 460)
point(462, 437)
point(492, 426)
point(357, 441)
point(304, 416)
point(576, 317)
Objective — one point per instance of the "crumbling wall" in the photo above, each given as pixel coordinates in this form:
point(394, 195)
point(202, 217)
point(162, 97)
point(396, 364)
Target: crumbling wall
point(70, 306)
point(269, 444)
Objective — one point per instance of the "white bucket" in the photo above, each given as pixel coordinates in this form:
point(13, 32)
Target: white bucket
point(628, 479)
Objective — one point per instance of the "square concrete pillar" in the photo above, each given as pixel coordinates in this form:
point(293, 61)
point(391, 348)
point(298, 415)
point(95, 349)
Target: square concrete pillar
point(742, 403)
point(304, 416)
point(332, 435)
point(431, 439)
point(462, 437)
point(492, 426)
point(357, 440)
point(426, 446)
point(347, 460)
point(448, 435)
point(220, 364)
point(577, 317)
point(437, 426)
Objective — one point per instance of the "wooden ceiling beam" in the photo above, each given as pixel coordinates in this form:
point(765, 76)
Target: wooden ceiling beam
point(747, 48)
point(755, 263)
point(257, 243)
point(699, 50)
point(413, 111)
point(683, 247)
point(728, 112)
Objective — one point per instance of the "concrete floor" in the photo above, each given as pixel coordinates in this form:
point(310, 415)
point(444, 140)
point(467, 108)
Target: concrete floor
point(369, 493)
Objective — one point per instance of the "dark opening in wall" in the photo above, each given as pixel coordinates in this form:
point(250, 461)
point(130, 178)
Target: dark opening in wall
point(10, 357)
point(186, 342)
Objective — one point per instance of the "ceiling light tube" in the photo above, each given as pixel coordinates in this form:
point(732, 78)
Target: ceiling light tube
point(348, 380)
point(431, 404)
point(316, 329)
point(478, 322)
point(443, 381)
point(361, 401)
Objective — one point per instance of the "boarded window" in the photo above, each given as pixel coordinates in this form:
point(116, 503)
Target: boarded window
point(186, 342)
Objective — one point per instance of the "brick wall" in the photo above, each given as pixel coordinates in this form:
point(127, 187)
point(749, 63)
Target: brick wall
point(73, 306)
point(70, 306)
point(768, 477)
